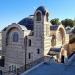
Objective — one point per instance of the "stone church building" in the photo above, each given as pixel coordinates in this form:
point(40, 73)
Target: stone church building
point(26, 43)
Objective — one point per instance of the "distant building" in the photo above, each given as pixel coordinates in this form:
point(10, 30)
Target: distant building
point(68, 29)
point(26, 43)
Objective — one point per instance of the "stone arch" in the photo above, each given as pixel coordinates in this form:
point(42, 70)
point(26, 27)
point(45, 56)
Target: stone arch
point(7, 34)
point(38, 15)
point(61, 34)
point(9, 29)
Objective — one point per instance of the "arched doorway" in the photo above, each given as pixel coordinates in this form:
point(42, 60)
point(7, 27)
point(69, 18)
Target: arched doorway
point(53, 41)
point(62, 59)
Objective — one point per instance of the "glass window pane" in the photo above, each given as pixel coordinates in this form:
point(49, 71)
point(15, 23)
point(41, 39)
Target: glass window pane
point(15, 37)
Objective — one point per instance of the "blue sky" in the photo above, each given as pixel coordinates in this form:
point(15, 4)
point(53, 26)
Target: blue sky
point(14, 10)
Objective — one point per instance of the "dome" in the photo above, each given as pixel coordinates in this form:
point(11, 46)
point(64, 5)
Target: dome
point(27, 22)
point(42, 9)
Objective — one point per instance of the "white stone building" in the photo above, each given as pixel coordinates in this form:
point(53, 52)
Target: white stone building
point(26, 43)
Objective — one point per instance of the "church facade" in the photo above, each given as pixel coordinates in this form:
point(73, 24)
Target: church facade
point(26, 43)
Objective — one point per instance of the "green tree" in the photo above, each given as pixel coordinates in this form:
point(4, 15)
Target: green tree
point(55, 21)
point(68, 22)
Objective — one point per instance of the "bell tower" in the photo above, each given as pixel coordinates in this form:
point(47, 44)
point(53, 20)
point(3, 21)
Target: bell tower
point(41, 22)
point(41, 26)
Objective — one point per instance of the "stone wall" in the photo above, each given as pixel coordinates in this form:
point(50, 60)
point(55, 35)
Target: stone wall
point(30, 65)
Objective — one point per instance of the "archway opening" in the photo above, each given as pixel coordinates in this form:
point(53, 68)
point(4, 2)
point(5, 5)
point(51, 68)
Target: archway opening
point(53, 41)
point(62, 35)
point(7, 34)
point(62, 59)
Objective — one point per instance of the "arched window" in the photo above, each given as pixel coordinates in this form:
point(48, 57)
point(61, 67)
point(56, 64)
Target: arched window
point(38, 16)
point(53, 40)
point(47, 16)
point(15, 37)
